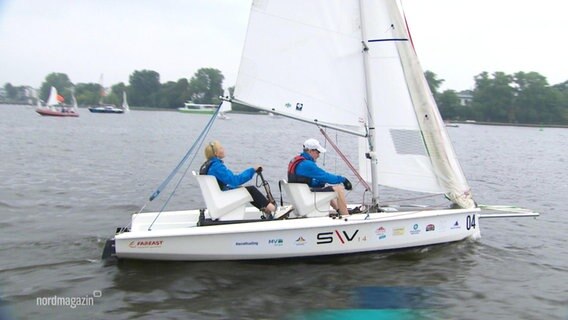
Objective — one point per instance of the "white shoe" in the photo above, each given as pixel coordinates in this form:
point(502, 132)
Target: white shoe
point(283, 212)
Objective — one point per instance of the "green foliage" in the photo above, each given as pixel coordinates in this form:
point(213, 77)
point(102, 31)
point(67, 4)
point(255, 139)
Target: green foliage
point(448, 104)
point(87, 93)
point(519, 98)
point(206, 86)
point(144, 88)
point(433, 82)
point(174, 94)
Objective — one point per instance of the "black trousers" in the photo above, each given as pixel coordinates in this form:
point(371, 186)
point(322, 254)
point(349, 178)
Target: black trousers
point(258, 199)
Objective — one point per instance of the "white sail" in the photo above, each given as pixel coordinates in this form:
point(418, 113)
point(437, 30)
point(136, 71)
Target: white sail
point(415, 152)
point(303, 58)
point(75, 105)
point(125, 106)
point(312, 65)
point(52, 100)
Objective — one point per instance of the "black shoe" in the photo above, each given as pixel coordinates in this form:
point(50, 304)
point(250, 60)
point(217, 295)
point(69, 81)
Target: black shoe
point(355, 210)
point(335, 214)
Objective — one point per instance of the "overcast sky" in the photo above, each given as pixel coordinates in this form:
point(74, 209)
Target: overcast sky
point(456, 39)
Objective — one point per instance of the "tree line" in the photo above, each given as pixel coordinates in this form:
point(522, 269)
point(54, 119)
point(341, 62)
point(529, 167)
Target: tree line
point(520, 98)
point(499, 97)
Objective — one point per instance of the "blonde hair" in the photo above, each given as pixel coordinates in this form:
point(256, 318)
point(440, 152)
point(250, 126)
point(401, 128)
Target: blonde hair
point(211, 148)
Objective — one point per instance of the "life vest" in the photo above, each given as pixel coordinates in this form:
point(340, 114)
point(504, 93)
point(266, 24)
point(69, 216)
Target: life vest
point(292, 176)
point(204, 170)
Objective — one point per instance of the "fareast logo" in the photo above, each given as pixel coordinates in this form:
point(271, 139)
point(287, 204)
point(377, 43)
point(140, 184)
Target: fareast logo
point(146, 244)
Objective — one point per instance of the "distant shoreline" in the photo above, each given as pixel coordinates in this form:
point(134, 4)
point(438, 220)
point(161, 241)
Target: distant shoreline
point(533, 125)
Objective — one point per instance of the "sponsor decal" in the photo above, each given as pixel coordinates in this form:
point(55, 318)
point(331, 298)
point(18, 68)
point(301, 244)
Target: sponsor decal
point(430, 227)
point(456, 225)
point(300, 241)
point(246, 243)
point(343, 237)
point(146, 244)
point(415, 229)
point(276, 242)
point(398, 231)
point(381, 233)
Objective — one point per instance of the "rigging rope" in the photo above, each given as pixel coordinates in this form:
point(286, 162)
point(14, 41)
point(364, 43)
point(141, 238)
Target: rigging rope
point(190, 154)
point(344, 158)
point(201, 137)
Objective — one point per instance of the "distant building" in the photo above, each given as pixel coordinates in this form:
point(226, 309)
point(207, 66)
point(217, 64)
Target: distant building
point(466, 97)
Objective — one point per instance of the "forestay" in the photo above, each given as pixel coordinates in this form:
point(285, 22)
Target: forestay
point(307, 60)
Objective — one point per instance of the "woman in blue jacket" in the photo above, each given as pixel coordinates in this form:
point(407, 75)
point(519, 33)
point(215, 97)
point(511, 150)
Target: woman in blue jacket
point(214, 153)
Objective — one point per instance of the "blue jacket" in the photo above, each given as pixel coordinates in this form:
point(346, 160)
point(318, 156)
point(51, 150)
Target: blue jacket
point(226, 176)
point(309, 168)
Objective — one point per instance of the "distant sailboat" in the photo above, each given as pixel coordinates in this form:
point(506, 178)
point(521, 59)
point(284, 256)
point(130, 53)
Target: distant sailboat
point(125, 106)
point(55, 108)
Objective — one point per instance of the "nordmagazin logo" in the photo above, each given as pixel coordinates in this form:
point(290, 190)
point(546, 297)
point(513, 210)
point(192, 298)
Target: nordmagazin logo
point(71, 302)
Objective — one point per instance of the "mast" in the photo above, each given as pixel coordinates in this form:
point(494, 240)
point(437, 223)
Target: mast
point(370, 119)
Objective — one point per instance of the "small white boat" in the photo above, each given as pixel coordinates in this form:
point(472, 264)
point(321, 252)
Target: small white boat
point(348, 66)
point(198, 108)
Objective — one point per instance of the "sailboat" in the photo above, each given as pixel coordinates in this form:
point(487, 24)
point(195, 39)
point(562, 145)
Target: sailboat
point(226, 106)
point(348, 66)
point(125, 106)
point(55, 108)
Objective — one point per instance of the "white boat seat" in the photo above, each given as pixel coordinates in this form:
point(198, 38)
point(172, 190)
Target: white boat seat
point(307, 203)
point(222, 205)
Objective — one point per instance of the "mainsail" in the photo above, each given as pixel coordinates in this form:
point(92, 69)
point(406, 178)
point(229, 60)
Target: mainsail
point(52, 99)
point(350, 63)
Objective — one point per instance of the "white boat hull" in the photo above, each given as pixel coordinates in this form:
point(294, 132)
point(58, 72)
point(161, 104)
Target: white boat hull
point(176, 236)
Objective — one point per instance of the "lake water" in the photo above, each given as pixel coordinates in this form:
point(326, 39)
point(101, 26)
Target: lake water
point(67, 183)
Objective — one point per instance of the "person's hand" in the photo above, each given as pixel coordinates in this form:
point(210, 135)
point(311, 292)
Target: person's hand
point(257, 169)
point(347, 184)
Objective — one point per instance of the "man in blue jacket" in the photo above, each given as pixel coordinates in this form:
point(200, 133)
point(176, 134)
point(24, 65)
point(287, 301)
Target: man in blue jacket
point(303, 169)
